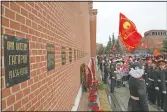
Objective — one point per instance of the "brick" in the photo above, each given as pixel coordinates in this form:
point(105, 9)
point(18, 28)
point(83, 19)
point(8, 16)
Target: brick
point(10, 100)
point(3, 104)
point(6, 92)
point(19, 95)
point(22, 4)
point(24, 84)
point(34, 25)
point(24, 12)
point(20, 18)
point(38, 59)
point(34, 11)
point(32, 4)
point(28, 22)
point(15, 7)
point(14, 25)
point(19, 34)
point(5, 3)
point(25, 100)
point(24, 28)
point(32, 95)
point(30, 82)
point(26, 91)
point(22, 109)
point(15, 88)
point(17, 105)
point(33, 59)
point(28, 105)
point(10, 14)
point(28, 7)
point(9, 32)
point(11, 108)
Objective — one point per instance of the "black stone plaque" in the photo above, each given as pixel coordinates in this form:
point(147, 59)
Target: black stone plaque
point(74, 54)
point(50, 57)
point(16, 60)
point(70, 55)
point(63, 56)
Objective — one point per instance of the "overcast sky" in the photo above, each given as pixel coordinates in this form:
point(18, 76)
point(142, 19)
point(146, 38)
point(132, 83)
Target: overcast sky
point(145, 15)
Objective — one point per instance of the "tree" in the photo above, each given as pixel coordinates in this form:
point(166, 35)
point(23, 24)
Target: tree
point(101, 50)
point(119, 50)
point(109, 46)
point(164, 46)
point(113, 40)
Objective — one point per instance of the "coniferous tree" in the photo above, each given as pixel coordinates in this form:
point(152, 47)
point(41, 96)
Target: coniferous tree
point(164, 47)
point(109, 45)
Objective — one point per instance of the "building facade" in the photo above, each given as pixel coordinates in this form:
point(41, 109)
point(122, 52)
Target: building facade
point(57, 38)
point(154, 38)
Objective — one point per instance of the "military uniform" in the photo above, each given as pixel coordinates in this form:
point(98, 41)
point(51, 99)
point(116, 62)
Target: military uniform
point(165, 95)
point(138, 96)
point(162, 86)
point(112, 77)
point(105, 72)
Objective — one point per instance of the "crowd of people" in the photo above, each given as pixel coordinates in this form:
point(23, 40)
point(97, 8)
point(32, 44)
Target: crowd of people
point(146, 77)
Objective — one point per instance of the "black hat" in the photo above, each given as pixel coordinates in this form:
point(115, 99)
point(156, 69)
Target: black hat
point(161, 62)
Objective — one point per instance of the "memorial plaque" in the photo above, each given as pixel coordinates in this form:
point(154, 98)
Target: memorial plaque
point(16, 60)
point(63, 55)
point(74, 54)
point(70, 55)
point(50, 57)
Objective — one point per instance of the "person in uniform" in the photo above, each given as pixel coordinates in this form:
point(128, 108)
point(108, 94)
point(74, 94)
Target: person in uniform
point(150, 83)
point(138, 97)
point(165, 93)
point(160, 85)
point(153, 84)
point(105, 70)
point(112, 76)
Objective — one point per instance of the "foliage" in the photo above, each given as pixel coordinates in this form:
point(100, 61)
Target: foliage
point(109, 46)
point(119, 50)
point(101, 50)
point(102, 86)
point(164, 47)
point(113, 40)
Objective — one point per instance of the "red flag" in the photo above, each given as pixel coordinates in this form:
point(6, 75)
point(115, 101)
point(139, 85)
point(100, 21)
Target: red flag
point(156, 52)
point(128, 33)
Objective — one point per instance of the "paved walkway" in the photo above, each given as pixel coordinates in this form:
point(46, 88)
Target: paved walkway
point(83, 105)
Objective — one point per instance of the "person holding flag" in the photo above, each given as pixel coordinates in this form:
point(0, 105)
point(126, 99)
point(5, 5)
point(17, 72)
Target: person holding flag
point(130, 37)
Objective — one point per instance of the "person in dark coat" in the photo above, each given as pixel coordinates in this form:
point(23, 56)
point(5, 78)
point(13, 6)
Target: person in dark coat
point(112, 76)
point(105, 70)
point(152, 82)
point(138, 97)
point(160, 85)
point(165, 93)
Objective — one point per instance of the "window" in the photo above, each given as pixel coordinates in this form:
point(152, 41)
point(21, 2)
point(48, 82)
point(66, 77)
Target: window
point(161, 33)
point(70, 55)
point(63, 56)
point(153, 33)
point(164, 33)
point(158, 33)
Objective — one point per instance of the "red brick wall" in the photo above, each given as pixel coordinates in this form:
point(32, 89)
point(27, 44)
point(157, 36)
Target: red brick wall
point(59, 23)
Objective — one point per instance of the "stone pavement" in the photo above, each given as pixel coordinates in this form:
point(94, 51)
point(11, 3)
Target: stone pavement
point(83, 105)
point(122, 95)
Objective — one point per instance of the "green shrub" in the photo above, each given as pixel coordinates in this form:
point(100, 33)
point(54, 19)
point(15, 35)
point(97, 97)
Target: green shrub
point(102, 86)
